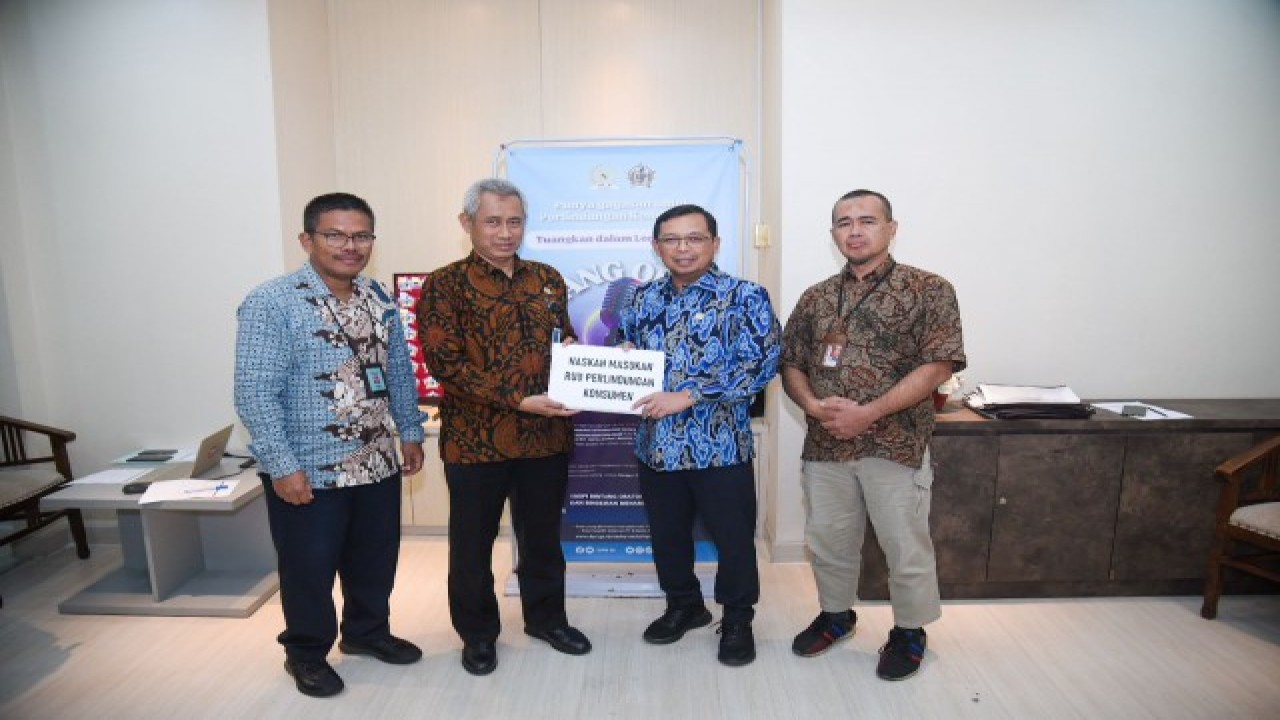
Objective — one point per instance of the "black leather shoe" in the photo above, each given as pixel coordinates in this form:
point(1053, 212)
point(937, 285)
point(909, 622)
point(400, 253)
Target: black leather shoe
point(675, 622)
point(389, 649)
point(567, 639)
point(314, 677)
point(737, 644)
point(479, 657)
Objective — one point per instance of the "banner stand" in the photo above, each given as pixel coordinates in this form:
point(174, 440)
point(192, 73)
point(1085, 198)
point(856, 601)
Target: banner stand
point(591, 204)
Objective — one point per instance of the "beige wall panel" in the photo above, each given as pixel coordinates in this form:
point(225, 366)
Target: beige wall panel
point(644, 67)
point(301, 87)
point(424, 93)
point(770, 214)
point(648, 68)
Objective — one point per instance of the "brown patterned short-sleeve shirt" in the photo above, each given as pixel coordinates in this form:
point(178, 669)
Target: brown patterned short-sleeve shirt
point(487, 338)
point(909, 318)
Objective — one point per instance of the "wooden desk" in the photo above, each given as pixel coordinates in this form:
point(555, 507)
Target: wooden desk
point(197, 557)
point(1111, 505)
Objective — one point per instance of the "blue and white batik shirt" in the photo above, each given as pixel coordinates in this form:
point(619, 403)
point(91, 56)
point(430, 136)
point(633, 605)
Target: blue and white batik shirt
point(298, 384)
point(721, 341)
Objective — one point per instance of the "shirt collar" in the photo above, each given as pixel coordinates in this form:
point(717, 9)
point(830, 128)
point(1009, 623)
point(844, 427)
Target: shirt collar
point(706, 282)
point(875, 276)
point(311, 280)
point(475, 259)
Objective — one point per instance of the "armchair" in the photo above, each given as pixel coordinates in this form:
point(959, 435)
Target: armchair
point(24, 480)
point(1247, 529)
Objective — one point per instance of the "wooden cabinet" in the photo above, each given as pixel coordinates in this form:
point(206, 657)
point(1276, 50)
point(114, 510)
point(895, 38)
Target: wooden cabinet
point(1165, 519)
point(1055, 507)
point(960, 515)
point(1107, 506)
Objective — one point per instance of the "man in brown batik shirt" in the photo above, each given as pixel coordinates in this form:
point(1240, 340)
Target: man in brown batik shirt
point(487, 323)
point(862, 354)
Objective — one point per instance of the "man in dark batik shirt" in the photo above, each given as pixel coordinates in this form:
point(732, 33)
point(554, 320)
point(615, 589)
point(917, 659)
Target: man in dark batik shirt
point(487, 323)
point(862, 353)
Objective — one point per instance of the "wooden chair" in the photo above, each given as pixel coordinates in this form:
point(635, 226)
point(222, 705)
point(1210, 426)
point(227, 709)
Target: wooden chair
point(1247, 530)
point(24, 480)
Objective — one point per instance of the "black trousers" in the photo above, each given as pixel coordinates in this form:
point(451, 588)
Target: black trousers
point(477, 492)
point(724, 498)
point(352, 533)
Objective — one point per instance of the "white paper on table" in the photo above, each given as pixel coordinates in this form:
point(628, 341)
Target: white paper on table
point(604, 379)
point(114, 476)
point(1154, 412)
point(991, 394)
point(186, 489)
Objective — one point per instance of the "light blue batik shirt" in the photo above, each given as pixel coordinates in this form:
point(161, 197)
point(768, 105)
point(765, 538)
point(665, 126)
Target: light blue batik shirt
point(298, 381)
point(721, 341)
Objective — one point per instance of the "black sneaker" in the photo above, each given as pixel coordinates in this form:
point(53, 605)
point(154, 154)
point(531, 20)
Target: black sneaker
point(675, 622)
point(314, 677)
point(900, 657)
point(826, 630)
point(737, 643)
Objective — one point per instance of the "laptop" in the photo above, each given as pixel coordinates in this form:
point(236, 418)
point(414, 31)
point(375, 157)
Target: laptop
point(208, 455)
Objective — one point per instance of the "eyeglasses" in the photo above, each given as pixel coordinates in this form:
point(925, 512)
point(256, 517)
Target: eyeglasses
point(337, 240)
point(693, 241)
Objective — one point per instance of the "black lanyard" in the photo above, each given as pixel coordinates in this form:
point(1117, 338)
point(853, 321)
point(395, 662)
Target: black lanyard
point(840, 302)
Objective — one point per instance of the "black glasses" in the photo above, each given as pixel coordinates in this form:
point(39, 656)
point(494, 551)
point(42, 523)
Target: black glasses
point(694, 241)
point(337, 240)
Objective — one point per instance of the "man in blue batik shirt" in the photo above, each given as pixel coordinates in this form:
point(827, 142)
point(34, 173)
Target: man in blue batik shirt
point(324, 384)
point(694, 443)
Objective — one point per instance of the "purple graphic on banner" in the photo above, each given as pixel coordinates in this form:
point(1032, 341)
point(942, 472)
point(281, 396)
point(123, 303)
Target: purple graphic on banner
point(595, 311)
point(604, 516)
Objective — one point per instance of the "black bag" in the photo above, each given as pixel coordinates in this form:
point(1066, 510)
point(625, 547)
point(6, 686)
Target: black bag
point(1037, 411)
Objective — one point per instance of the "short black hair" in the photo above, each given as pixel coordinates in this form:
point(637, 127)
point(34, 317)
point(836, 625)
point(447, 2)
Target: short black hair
point(332, 201)
point(888, 208)
point(681, 211)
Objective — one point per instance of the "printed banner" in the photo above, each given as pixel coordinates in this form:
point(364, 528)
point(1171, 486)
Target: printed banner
point(591, 212)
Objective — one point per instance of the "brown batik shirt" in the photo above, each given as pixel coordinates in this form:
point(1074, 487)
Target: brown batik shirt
point(487, 338)
point(909, 318)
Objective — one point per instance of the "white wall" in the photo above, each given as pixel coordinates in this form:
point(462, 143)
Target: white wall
point(138, 146)
point(1096, 178)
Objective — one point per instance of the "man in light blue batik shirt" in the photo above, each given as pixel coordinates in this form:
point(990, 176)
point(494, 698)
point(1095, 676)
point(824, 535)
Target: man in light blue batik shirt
point(694, 442)
point(324, 385)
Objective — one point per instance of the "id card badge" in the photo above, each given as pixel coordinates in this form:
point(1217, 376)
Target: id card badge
point(375, 380)
point(832, 348)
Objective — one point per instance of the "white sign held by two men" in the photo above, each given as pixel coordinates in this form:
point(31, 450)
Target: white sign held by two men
point(604, 379)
